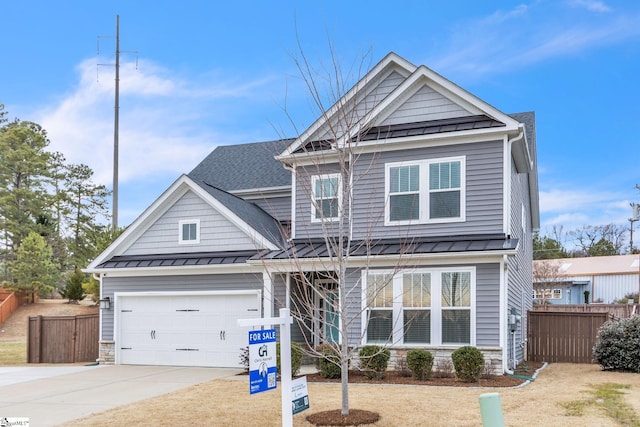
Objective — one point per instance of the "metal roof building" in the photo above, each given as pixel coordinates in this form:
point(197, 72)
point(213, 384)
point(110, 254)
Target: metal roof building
point(608, 278)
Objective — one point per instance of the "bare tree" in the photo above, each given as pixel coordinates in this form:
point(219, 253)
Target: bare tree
point(547, 275)
point(608, 239)
point(326, 300)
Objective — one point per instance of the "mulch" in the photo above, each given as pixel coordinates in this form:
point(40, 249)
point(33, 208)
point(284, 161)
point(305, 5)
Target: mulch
point(357, 417)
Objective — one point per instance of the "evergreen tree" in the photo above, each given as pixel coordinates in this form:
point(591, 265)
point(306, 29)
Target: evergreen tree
point(33, 269)
point(73, 290)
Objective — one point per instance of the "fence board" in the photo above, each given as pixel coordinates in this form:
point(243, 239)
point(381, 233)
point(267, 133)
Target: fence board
point(63, 339)
point(8, 304)
point(616, 310)
point(559, 337)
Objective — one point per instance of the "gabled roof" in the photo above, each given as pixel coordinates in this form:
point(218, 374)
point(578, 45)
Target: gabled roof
point(263, 229)
point(250, 213)
point(244, 167)
point(375, 114)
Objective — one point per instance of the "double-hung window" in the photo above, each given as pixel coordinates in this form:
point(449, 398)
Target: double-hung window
point(456, 307)
point(189, 231)
point(433, 306)
point(326, 197)
point(379, 300)
point(425, 191)
point(404, 193)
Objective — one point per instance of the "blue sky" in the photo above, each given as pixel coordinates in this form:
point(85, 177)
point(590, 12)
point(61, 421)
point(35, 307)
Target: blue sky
point(212, 73)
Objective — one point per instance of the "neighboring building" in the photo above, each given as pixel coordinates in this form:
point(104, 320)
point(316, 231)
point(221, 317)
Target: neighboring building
point(606, 278)
point(441, 208)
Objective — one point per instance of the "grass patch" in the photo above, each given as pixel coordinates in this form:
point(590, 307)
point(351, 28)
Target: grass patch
point(609, 398)
point(13, 353)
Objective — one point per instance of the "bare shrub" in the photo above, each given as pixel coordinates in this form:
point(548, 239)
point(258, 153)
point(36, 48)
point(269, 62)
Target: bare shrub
point(443, 369)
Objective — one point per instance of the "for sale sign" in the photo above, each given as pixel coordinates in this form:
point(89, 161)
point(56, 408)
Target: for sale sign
point(262, 360)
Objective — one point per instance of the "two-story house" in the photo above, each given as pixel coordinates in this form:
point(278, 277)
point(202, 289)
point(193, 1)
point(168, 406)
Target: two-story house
point(402, 217)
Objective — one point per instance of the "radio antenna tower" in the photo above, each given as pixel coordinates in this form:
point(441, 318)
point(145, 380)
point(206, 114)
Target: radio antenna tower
point(116, 125)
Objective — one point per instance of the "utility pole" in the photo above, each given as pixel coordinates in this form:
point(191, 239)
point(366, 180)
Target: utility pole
point(116, 122)
point(116, 119)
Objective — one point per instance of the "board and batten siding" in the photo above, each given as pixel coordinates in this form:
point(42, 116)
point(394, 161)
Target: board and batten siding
point(365, 102)
point(484, 192)
point(424, 105)
point(204, 283)
point(216, 232)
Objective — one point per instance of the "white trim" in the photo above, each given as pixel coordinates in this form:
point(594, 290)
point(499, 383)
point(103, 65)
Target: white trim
point(170, 196)
point(391, 62)
point(181, 239)
point(424, 192)
point(435, 308)
point(185, 270)
point(321, 292)
point(268, 297)
point(118, 295)
point(315, 199)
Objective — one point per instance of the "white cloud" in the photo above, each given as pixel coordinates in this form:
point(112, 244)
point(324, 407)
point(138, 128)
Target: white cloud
point(527, 34)
point(591, 5)
point(165, 121)
point(576, 208)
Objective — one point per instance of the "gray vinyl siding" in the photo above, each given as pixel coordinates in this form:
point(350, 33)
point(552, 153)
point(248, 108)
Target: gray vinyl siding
point(488, 305)
point(222, 282)
point(277, 207)
point(305, 227)
point(364, 104)
point(484, 192)
point(426, 104)
point(520, 280)
point(216, 232)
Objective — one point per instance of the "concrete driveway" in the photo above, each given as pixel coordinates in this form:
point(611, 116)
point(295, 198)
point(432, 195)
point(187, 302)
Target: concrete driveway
point(52, 395)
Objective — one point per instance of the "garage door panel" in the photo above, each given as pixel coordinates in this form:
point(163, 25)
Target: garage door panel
point(197, 330)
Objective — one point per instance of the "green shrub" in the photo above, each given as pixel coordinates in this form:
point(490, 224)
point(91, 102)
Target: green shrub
point(618, 345)
point(468, 363)
point(296, 358)
point(421, 363)
point(374, 360)
point(328, 362)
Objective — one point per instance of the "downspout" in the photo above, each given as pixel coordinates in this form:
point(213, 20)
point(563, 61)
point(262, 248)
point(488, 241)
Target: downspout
point(99, 279)
point(292, 169)
point(507, 228)
point(504, 337)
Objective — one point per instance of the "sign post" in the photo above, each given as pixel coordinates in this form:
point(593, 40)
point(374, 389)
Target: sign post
point(284, 321)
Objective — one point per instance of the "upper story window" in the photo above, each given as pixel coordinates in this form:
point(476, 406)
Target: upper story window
point(325, 203)
point(189, 231)
point(425, 191)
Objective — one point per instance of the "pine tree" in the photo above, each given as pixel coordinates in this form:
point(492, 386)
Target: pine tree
point(73, 290)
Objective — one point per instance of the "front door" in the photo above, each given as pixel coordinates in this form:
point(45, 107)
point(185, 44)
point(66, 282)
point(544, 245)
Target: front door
point(328, 303)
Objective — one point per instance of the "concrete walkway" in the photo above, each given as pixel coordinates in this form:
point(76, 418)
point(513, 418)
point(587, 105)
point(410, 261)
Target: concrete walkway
point(52, 395)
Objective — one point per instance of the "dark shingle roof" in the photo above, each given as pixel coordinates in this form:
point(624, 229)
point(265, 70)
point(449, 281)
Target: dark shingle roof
point(178, 260)
point(317, 248)
point(244, 166)
point(250, 213)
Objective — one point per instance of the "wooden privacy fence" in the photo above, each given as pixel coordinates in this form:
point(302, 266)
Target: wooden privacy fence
point(558, 337)
point(8, 303)
point(615, 310)
point(63, 339)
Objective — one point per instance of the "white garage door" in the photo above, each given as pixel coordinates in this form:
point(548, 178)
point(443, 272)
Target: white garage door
point(183, 330)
